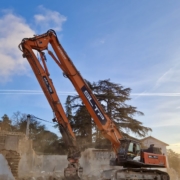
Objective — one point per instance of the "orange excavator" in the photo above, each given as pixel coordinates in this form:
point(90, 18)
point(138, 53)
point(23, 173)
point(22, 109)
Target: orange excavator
point(126, 150)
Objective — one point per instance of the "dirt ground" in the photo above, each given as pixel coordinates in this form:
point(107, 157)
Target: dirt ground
point(55, 177)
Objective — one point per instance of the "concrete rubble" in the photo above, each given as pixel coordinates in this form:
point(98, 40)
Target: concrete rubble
point(51, 167)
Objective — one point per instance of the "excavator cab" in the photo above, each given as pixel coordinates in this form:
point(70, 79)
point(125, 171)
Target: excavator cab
point(130, 155)
point(129, 150)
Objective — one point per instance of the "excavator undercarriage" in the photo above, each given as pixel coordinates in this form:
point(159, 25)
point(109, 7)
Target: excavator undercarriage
point(134, 174)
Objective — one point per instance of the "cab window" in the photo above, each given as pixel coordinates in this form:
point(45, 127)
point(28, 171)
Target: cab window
point(137, 147)
point(133, 148)
point(130, 149)
point(123, 146)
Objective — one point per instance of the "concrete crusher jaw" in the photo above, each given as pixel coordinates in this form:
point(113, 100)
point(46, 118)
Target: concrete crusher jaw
point(13, 159)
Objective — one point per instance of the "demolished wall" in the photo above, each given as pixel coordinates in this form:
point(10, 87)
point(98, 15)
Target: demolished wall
point(5, 172)
point(93, 162)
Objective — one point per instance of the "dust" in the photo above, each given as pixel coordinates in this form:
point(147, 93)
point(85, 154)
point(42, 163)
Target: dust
point(47, 167)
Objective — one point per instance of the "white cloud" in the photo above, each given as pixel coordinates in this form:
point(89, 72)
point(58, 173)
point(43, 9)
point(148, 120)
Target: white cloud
point(165, 77)
point(98, 42)
point(175, 144)
point(13, 30)
point(156, 94)
point(170, 76)
point(48, 19)
point(32, 92)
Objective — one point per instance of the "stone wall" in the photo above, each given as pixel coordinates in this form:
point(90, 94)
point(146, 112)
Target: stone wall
point(5, 172)
point(92, 160)
point(10, 140)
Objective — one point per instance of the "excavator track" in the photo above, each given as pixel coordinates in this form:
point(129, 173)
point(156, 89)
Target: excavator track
point(13, 159)
point(134, 174)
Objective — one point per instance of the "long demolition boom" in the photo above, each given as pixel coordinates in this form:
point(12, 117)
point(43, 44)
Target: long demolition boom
point(103, 122)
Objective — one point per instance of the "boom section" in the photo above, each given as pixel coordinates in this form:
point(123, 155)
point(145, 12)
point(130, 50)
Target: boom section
point(40, 43)
point(43, 76)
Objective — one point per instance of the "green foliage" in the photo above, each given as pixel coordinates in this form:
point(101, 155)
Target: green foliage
point(5, 123)
point(113, 99)
point(44, 141)
point(174, 160)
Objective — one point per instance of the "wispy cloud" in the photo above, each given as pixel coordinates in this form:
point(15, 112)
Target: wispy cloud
point(13, 30)
point(21, 91)
point(165, 123)
point(170, 76)
point(165, 77)
point(175, 144)
point(98, 42)
point(48, 19)
point(33, 92)
point(156, 94)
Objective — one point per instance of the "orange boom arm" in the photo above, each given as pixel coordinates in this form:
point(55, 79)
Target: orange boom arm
point(40, 43)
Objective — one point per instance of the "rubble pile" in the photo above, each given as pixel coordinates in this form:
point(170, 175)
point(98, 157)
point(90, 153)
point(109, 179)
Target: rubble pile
point(55, 177)
point(51, 167)
point(43, 176)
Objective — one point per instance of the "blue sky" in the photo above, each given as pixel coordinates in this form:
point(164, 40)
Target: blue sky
point(134, 43)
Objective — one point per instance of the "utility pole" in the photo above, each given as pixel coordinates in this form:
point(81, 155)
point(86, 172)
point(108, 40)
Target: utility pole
point(27, 127)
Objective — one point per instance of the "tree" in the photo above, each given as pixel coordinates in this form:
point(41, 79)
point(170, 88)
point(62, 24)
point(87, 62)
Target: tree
point(113, 98)
point(5, 123)
point(80, 120)
point(174, 160)
point(19, 121)
point(83, 125)
point(42, 138)
point(45, 141)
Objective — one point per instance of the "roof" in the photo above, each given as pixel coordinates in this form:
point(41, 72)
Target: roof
point(125, 135)
point(154, 139)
